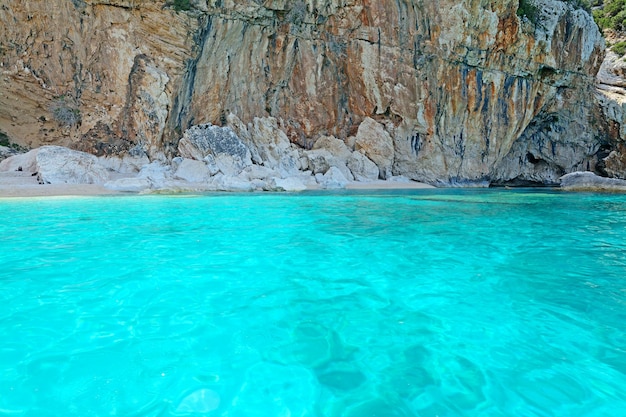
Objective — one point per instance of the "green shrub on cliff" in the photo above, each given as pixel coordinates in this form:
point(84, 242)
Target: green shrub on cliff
point(181, 5)
point(611, 15)
point(527, 8)
point(4, 139)
point(65, 110)
point(619, 48)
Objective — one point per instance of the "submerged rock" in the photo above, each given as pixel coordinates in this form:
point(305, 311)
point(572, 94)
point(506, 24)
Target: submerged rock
point(201, 401)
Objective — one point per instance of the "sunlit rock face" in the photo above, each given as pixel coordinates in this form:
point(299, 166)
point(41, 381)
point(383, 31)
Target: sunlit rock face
point(461, 92)
point(96, 75)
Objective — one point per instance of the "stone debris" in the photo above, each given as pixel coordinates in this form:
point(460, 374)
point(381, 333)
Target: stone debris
point(212, 159)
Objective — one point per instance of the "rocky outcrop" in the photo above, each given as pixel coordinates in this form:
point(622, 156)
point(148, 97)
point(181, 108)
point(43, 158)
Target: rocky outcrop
point(111, 66)
point(58, 165)
point(611, 110)
point(451, 92)
point(468, 93)
point(588, 181)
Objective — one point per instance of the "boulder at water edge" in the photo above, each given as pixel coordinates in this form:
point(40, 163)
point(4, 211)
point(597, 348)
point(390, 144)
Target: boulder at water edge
point(59, 165)
point(588, 181)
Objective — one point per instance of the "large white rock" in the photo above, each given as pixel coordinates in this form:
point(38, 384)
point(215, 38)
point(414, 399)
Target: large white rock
point(241, 130)
point(126, 164)
point(333, 178)
point(226, 164)
point(335, 146)
point(258, 172)
point(273, 146)
point(320, 160)
point(362, 168)
point(375, 142)
point(228, 183)
point(26, 162)
point(588, 181)
point(192, 170)
point(287, 184)
point(219, 146)
point(156, 172)
point(59, 165)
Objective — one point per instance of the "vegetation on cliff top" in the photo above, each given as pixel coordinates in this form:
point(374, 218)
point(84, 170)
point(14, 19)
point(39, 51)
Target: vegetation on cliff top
point(611, 14)
point(608, 14)
point(529, 9)
point(181, 5)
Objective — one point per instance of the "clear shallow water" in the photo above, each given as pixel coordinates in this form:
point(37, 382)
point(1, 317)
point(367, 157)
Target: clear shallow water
point(423, 303)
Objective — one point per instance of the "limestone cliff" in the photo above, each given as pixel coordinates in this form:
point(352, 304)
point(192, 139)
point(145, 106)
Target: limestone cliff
point(467, 91)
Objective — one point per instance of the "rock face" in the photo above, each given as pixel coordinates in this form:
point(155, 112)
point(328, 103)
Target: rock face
point(448, 92)
point(96, 75)
point(611, 99)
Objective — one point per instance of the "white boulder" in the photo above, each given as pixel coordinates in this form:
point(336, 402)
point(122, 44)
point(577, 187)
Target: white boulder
point(219, 147)
point(588, 181)
point(335, 146)
point(374, 141)
point(192, 170)
point(362, 168)
point(287, 184)
point(59, 165)
point(23, 162)
point(332, 179)
point(273, 146)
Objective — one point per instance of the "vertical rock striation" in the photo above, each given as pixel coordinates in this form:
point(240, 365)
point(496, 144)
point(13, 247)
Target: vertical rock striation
point(117, 63)
point(459, 92)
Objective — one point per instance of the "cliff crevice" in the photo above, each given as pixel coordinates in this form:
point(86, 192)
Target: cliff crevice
point(469, 92)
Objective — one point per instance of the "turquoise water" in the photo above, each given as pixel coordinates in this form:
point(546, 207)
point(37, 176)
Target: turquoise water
point(424, 303)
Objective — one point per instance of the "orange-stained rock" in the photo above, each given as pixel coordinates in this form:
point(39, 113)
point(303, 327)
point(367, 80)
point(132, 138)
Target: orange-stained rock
point(467, 91)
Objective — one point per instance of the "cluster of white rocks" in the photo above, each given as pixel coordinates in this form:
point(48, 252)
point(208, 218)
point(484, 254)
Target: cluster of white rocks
point(237, 157)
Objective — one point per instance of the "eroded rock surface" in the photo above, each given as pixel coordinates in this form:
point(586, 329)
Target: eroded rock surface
point(458, 92)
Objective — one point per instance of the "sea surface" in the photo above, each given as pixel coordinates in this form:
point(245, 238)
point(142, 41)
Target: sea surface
point(444, 303)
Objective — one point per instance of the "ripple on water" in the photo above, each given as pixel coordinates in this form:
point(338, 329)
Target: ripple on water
point(449, 303)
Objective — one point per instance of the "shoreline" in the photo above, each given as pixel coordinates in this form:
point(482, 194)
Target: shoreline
point(25, 185)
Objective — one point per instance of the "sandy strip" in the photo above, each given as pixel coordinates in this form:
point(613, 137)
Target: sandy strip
point(23, 184)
